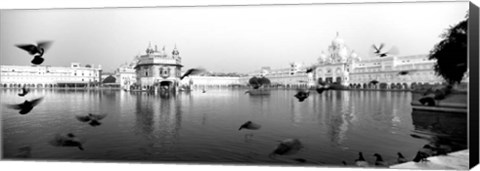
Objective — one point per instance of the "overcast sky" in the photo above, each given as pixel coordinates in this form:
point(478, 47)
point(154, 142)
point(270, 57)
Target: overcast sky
point(225, 38)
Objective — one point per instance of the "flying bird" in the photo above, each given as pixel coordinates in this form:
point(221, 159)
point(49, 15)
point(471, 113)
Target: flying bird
point(70, 140)
point(403, 72)
point(36, 50)
point(378, 50)
point(26, 106)
point(361, 160)
point(311, 69)
point(192, 71)
point(374, 82)
point(287, 147)
point(92, 119)
point(250, 125)
point(302, 95)
point(24, 92)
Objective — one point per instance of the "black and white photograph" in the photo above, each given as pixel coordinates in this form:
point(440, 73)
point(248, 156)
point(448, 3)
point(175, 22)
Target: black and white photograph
point(337, 85)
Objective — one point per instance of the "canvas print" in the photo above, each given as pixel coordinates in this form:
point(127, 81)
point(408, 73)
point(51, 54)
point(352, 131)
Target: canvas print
point(324, 85)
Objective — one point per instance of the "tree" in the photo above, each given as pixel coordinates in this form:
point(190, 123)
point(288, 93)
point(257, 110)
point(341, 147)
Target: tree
point(451, 53)
point(256, 82)
point(109, 79)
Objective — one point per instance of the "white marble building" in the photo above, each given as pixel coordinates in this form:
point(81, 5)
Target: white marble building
point(41, 76)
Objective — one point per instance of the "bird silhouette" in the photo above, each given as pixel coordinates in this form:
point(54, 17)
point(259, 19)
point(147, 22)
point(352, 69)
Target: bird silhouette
point(192, 71)
point(361, 160)
point(311, 69)
point(302, 95)
point(24, 92)
point(401, 158)
point(423, 154)
point(250, 125)
point(379, 160)
point(374, 82)
point(69, 140)
point(92, 119)
point(287, 147)
point(26, 106)
point(378, 50)
point(403, 72)
point(36, 50)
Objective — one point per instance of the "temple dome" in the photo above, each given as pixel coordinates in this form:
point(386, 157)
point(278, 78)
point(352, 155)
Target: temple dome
point(338, 41)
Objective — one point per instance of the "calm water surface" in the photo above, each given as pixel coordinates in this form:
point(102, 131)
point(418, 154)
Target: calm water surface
point(203, 127)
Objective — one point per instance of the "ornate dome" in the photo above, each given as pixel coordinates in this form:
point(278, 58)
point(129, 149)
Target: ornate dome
point(342, 54)
point(322, 58)
point(338, 41)
point(175, 51)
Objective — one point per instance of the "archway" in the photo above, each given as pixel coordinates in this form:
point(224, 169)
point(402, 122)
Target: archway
point(166, 85)
point(413, 85)
point(399, 86)
point(392, 86)
point(383, 85)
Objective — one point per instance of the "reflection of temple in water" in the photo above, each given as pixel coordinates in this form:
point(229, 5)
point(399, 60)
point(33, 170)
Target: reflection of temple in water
point(144, 115)
point(339, 122)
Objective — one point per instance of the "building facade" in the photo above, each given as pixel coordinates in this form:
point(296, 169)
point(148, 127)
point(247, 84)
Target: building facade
point(334, 66)
point(293, 76)
point(38, 76)
point(126, 75)
point(156, 68)
point(386, 72)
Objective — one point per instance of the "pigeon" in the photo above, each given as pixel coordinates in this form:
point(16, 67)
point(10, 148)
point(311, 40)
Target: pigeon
point(192, 71)
point(401, 158)
point(344, 163)
point(379, 161)
point(423, 154)
point(37, 50)
point(249, 125)
point(361, 161)
point(287, 147)
point(24, 92)
point(92, 119)
point(311, 69)
point(26, 106)
point(70, 140)
point(302, 95)
point(403, 72)
point(204, 91)
point(374, 82)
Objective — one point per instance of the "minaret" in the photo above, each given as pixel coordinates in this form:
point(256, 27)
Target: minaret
point(175, 52)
